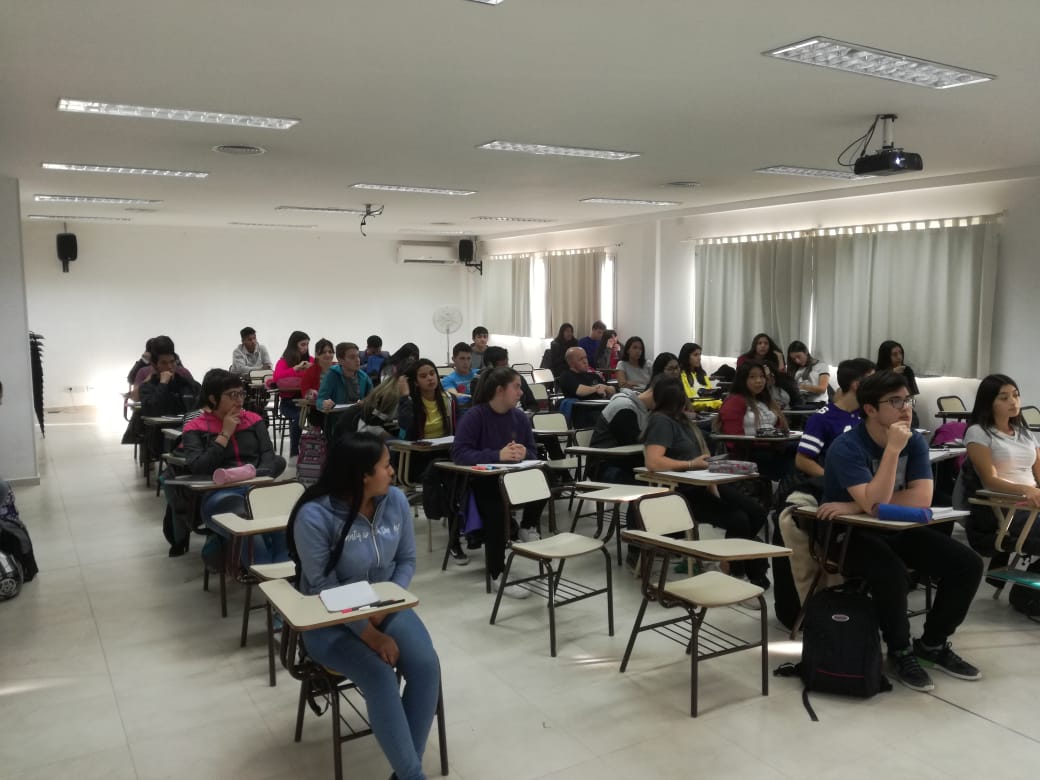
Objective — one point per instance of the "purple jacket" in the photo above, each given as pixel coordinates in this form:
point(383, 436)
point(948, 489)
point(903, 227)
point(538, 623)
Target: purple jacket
point(483, 432)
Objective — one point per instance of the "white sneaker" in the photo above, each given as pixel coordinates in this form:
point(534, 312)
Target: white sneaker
point(512, 591)
point(528, 535)
point(752, 604)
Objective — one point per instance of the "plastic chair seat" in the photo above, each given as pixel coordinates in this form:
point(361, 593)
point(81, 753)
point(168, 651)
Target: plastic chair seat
point(712, 589)
point(564, 545)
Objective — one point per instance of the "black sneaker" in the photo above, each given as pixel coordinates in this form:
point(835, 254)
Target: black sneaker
point(944, 658)
point(761, 581)
point(909, 672)
point(458, 554)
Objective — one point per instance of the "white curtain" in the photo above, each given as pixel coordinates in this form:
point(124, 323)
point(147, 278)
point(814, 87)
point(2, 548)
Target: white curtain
point(930, 289)
point(746, 287)
point(574, 288)
point(507, 295)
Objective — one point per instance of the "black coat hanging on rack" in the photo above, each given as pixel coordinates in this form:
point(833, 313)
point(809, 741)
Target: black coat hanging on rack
point(36, 360)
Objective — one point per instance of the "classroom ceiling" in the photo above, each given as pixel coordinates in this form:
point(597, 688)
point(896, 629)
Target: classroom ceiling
point(403, 92)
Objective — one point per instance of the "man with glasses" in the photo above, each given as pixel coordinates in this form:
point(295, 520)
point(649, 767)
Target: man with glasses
point(885, 461)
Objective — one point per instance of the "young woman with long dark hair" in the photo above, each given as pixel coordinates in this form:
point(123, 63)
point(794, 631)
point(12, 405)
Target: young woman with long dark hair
point(558, 348)
point(749, 408)
point(811, 375)
point(890, 357)
point(288, 377)
point(631, 368)
point(352, 526)
point(695, 378)
point(763, 349)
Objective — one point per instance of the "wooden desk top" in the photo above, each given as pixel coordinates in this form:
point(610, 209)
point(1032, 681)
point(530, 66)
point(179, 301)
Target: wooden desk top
point(242, 526)
point(305, 613)
point(622, 494)
point(938, 454)
point(423, 445)
point(621, 451)
point(710, 549)
point(792, 436)
point(864, 520)
point(206, 484)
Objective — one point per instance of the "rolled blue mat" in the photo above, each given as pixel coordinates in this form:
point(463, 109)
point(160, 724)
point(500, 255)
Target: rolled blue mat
point(903, 514)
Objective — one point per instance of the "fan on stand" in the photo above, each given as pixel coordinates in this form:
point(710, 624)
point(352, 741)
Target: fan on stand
point(447, 319)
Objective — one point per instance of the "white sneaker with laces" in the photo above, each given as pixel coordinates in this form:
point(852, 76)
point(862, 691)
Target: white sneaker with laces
point(528, 534)
point(511, 591)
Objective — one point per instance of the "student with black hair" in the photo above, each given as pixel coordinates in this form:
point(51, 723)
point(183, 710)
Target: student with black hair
point(695, 378)
point(834, 419)
point(351, 526)
point(811, 375)
point(885, 461)
point(1005, 455)
point(374, 358)
point(750, 408)
point(890, 357)
point(249, 355)
point(166, 392)
point(460, 381)
point(763, 349)
point(499, 356)
point(558, 348)
point(608, 351)
point(631, 367)
point(288, 376)
point(479, 347)
point(666, 365)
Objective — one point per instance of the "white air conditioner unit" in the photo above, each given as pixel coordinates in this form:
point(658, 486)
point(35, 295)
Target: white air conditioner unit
point(427, 253)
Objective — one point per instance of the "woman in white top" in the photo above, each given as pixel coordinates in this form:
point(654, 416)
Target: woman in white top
point(631, 367)
point(1004, 454)
point(812, 375)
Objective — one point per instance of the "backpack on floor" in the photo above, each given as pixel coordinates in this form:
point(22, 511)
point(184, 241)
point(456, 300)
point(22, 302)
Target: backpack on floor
point(841, 647)
point(11, 577)
point(1026, 599)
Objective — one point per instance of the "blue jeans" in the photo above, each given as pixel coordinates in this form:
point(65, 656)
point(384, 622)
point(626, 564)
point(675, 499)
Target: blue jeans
point(291, 412)
point(401, 722)
point(267, 548)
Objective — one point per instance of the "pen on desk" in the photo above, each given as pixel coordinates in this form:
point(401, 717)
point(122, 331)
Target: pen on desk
point(373, 605)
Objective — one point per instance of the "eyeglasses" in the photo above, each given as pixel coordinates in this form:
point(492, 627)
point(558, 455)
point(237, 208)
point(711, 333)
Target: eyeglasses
point(901, 403)
point(234, 395)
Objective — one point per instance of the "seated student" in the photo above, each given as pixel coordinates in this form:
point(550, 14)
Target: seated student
point(224, 436)
point(811, 375)
point(776, 390)
point(695, 378)
point(353, 526)
point(884, 461)
point(580, 382)
point(558, 348)
point(499, 356)
point(147, 371)
point(479, 347)
point(142, 362)
point(496, 431)
point(288, 377)
point(632, 372)
point(166, 392)
point(460, 381)
point(1004, 454)
point(622, 422)
point(429, 412)
point(608, 351)
point(763, 349)
point(834, 419)
point(249, 355)
point(380, 409)
point(748, 409)
point(591, 342)
point(310, 382)
point(374, 358)
point(673, 443)
point(890, 357)
point(665, 365)
point(401, 360)
point(345, 383)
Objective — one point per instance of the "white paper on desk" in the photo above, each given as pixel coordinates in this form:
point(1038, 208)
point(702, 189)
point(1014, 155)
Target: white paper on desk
point(503, 466)
point(942, 512)
point(702, 474)
point(341, 407)
point(354, 594)
point(438, 440)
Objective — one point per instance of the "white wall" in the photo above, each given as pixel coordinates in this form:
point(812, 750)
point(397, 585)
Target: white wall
point(17, 439)
point(200, 286)
point(670, 310)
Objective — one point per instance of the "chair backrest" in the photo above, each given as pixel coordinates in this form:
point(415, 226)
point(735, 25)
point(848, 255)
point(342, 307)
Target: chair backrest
point(543, 376)
point(539, 392)
point(522, 487)
point(667, 513)
point(523, 368)
point(273, 500)
point(951, 403)
point(1031, 415)
point(550, 421)
point(443, 371)
point(583, 437)
point(258, 375)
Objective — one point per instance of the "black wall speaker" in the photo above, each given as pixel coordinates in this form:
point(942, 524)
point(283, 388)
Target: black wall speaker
point(466, 250)
point(68, 249)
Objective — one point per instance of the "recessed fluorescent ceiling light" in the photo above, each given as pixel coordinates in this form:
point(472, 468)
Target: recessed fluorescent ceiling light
point(434, 232)
point(269, 225)
point(853, 57)
point(404, 188)
point(70, 218)
point(175, 114)
point(822, 173)
point(560, 151)
point(629, 202)
point(514, 219)
point(123, 169)
point(105, 200)
point(487, 2)
point(320, 209)
point(684, 184)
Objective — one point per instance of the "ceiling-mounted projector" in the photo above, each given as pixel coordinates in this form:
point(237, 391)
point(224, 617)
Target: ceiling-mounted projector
point(889, 159)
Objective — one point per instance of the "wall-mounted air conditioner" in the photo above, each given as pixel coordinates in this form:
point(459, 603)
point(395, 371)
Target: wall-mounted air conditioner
point(428, 253)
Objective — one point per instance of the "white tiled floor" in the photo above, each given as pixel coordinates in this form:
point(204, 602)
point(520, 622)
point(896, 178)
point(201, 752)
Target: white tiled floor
point(115, 664)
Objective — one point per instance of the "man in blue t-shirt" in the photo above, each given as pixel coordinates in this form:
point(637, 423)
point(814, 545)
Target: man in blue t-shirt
point(884, 461)
point(460, 381)
point(834, 419)
point(591, 342)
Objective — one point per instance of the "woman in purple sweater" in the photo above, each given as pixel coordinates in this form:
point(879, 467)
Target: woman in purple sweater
point(495, 430)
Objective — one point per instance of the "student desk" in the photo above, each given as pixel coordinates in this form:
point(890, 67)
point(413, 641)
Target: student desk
point(697, 477)
point(306, 613)
point(1004, 506)
point(148, 457)
point(402, 473)
point(617, 495)
point(939, 454)
point(460, 493)
point(851, 522)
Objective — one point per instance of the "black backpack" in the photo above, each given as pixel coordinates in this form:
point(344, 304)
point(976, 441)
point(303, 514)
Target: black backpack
point(1026, 599)
point(841, 647)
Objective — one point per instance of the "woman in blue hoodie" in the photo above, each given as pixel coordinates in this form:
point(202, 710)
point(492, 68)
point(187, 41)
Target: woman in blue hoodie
point(353, 525)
